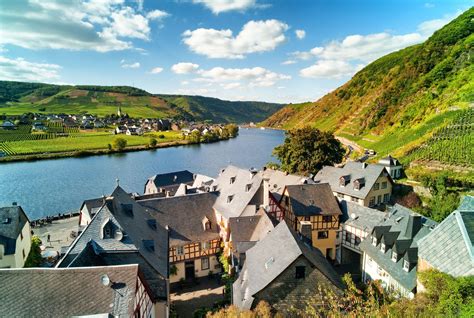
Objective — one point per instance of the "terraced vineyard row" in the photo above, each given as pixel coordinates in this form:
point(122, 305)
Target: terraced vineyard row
point(452, 144)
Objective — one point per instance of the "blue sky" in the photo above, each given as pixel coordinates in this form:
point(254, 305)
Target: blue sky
point(279, 51)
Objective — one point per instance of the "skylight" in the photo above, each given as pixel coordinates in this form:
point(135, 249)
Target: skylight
point(269, 262)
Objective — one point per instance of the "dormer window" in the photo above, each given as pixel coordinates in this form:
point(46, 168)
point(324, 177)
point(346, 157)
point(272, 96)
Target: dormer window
point(149, 245)
point(344, 180)
point(394, 256)
point(406, 265)
point(359, 183)
point(206, 224)
point(107, 232)
point(232, 180)
point(151, 223)
point(230, 198)
point(248, 187)
point(205, 245)
point(374, 241)
point(382, 247)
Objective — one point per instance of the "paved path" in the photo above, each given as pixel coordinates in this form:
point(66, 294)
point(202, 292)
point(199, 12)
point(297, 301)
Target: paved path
point(349, 143)
point(59, 230)
point(189, 299)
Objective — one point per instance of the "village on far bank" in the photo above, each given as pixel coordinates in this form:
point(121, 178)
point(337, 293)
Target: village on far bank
point(192, 244)
point(69, 132)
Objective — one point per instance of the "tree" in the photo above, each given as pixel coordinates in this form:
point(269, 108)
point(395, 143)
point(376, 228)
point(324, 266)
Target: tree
point(120, 143)
point(195, 136)
point(307, 150)
point(153, 142)
point(232, 129)
point(34, 257)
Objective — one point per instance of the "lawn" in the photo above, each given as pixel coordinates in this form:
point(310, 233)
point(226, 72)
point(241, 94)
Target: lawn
point(84, 141)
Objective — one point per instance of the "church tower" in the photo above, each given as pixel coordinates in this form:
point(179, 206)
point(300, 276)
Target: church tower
point(119, 111)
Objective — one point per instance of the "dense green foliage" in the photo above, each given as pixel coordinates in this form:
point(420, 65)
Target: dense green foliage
point(17, 98)
point(119, 143)
point(395, 104)
point(307, 150)
point(34, 258)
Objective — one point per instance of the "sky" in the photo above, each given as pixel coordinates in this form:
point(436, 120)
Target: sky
point(285, 51)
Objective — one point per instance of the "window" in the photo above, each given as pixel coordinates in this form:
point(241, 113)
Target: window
point(340, 196)
point(394, 256)
point(372, 201)
point(21, 236)
point(232, 180)
point(384, 185)
point(386, 198)
point(376, 186)
point(382, 247)
point(327, 218)
point(180, 250)
point(229, 198)
point(354, 199)
point(107, 232)
point(23, 251)
point(300, 272)
point(269, 262)
point(357, 240)
point(205, 245)
point(323, 235)
point(307, 218)
point(406, 266)
point(204, 263)
point(348, 237)
point(248, 187)
point(379, 199)
point(374, 241)
point(207, 225)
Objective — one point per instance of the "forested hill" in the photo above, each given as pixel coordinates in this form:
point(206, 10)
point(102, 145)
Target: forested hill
point(20, 97)
point(416, 103)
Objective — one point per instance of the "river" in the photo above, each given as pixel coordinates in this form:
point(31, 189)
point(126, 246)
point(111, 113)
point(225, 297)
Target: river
point(49, 187)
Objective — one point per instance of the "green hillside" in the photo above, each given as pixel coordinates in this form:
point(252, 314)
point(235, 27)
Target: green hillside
point(416, 103)
point(18, 98)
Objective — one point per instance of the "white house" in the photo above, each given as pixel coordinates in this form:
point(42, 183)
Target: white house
point(15, 237)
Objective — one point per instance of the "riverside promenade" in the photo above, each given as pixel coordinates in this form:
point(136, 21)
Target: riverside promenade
point(59, 232)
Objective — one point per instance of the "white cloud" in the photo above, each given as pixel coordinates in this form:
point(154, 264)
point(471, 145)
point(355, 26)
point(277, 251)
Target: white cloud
point(21, 70)
point(329, 68)
point(129, 65)
point(302, 55)
point(98, 25)
point(196, 91)
point(184, 68)
point(300, 34)
point(218, 6)
point(288, 62)
point(184, 83)
point(157, 15)
point(256, 76)
point(230, 85)
point(156, 70)
point(255, 36)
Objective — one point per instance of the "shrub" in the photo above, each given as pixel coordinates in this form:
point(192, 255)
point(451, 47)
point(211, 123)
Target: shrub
point(34, 257)
point(153, 142)
point(119, 143)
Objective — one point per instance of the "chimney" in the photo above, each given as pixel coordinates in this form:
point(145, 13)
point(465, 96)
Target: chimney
point(305, 230)
point(413, 225)
point(14, 204)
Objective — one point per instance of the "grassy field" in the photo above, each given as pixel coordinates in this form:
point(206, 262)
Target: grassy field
point(80, 141)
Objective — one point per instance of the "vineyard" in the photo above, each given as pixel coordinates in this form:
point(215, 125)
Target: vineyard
point(452, 144)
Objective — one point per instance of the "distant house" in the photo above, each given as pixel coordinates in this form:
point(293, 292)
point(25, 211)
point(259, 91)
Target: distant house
point(449, 247)
point(357, 223)
point(240, 194)
point(168, 182)
point(88, 209)
point(120, 129)
point(99, 124)
point(393, 166)
point(131, 131)
point(38, 126)
point(365, 184)
point(285, 271)
point(7, 125)
point(120, 234)
point(193, 233)
point(175, 127)
point(312, 210)
point(391, 250)
point(103, 291)
point(245, 232)
point(15, 237)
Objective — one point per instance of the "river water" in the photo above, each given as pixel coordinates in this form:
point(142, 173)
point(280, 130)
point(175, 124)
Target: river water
point(49, 187)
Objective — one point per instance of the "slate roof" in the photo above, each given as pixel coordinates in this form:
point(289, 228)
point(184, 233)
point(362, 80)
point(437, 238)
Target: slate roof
point(12, 220)
point(389, 161)
point(354, 171)
point(277, 180)
point(92, 205)
point(400, 232)
point(184, 216)
point(313, 199)
point(37, 292)
point(241, 198)
point(171, 181)
point(449, 246)
point(246, 230)
point(130, 233)
point(283, 247)
point(360, 217)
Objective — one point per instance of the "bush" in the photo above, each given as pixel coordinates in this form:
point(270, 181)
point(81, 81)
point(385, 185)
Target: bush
point(161, 136)
point(153, 142)
point(119, 143)
point(34, 258)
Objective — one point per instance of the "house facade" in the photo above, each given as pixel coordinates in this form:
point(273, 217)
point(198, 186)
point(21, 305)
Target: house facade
point(393, 166)
point(312, 210)
point(15, 237)
point(365, 184)
point(168, 182)
point(391, 250)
